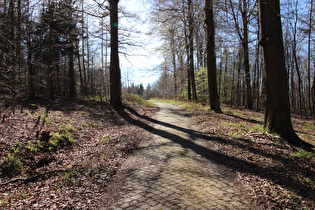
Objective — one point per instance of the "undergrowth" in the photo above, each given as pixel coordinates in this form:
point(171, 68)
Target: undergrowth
point(135, 99)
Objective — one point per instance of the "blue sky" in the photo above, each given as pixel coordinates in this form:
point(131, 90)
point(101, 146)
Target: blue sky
point(138, 66)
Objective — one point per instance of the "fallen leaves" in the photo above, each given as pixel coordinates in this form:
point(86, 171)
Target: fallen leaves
point(275, 174)
point(74, 176)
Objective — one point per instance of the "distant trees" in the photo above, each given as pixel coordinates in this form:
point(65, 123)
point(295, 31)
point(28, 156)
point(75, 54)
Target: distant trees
point(178, 22)
point(62, 49)
point(48, 49)
point(240, 77)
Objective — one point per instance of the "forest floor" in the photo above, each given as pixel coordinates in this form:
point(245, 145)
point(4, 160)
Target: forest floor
point(72, 157)
point(68, 159)
point(275, 174)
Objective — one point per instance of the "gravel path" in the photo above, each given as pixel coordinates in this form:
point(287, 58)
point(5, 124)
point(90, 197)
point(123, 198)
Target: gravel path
point(171, 175)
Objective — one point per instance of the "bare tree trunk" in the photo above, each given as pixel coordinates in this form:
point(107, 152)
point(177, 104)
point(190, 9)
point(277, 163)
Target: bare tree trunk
point(243, 35)
point(12, 53)
point(277, 115)
point(258, 72)
point(80, 75)
point(172, 33)
point(49, 60)
point(309, 58)
point(191, 51)
point(72, 90)
point(83, 72)
point(233, 84)
point(115, 76)
point(299, 79)
point(188, 70)
point(296, 63)
point(211, 59)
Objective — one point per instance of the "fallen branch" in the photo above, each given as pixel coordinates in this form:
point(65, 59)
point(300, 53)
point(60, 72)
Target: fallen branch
point(32, 179)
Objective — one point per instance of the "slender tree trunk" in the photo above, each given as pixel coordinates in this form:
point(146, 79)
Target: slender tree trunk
point(30, 68)
point(249, 101)
point(309, 58)
point(12, 54)
point(220, 78)
point(238, 86)
point(72, 89)
point(172, 33)
point(80, 75)
point(243, 35)
point(19, 39)
point(191, 51)
point(49, 60)
point(277, 115)
point(188, 70)
point(294, 52)
point(115, 76)
point(293, 102)
point(83, 72)
point(257, 72)
point(296, 64)
point(211, 59)
point(233, 84)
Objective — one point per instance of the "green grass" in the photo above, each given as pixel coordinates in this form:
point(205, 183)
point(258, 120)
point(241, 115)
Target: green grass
point(258, 128)
point(34, 147)
point(234, 135)
point(303, 154)
point(63, 136)
point(308, 126)
point(185, 104)
point(135, 99)
point(229, 111)
point(12, 165)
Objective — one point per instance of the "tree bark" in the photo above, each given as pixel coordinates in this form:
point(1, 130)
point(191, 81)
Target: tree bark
point(72, 88)
point(211, 59)
point(309, 58)
point(115, 76)
point(172, 34)
point(243, 35)
point(277, 114)
point(188, 70)
point(191, 51)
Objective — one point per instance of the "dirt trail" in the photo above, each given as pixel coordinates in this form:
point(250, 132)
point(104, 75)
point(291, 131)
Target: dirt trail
point(169, 174)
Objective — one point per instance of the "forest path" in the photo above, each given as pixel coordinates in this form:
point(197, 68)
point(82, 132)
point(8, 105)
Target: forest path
point(169, 174)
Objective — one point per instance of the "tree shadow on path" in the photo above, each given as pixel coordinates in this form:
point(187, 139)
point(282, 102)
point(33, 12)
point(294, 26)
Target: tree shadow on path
point(234, 163)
